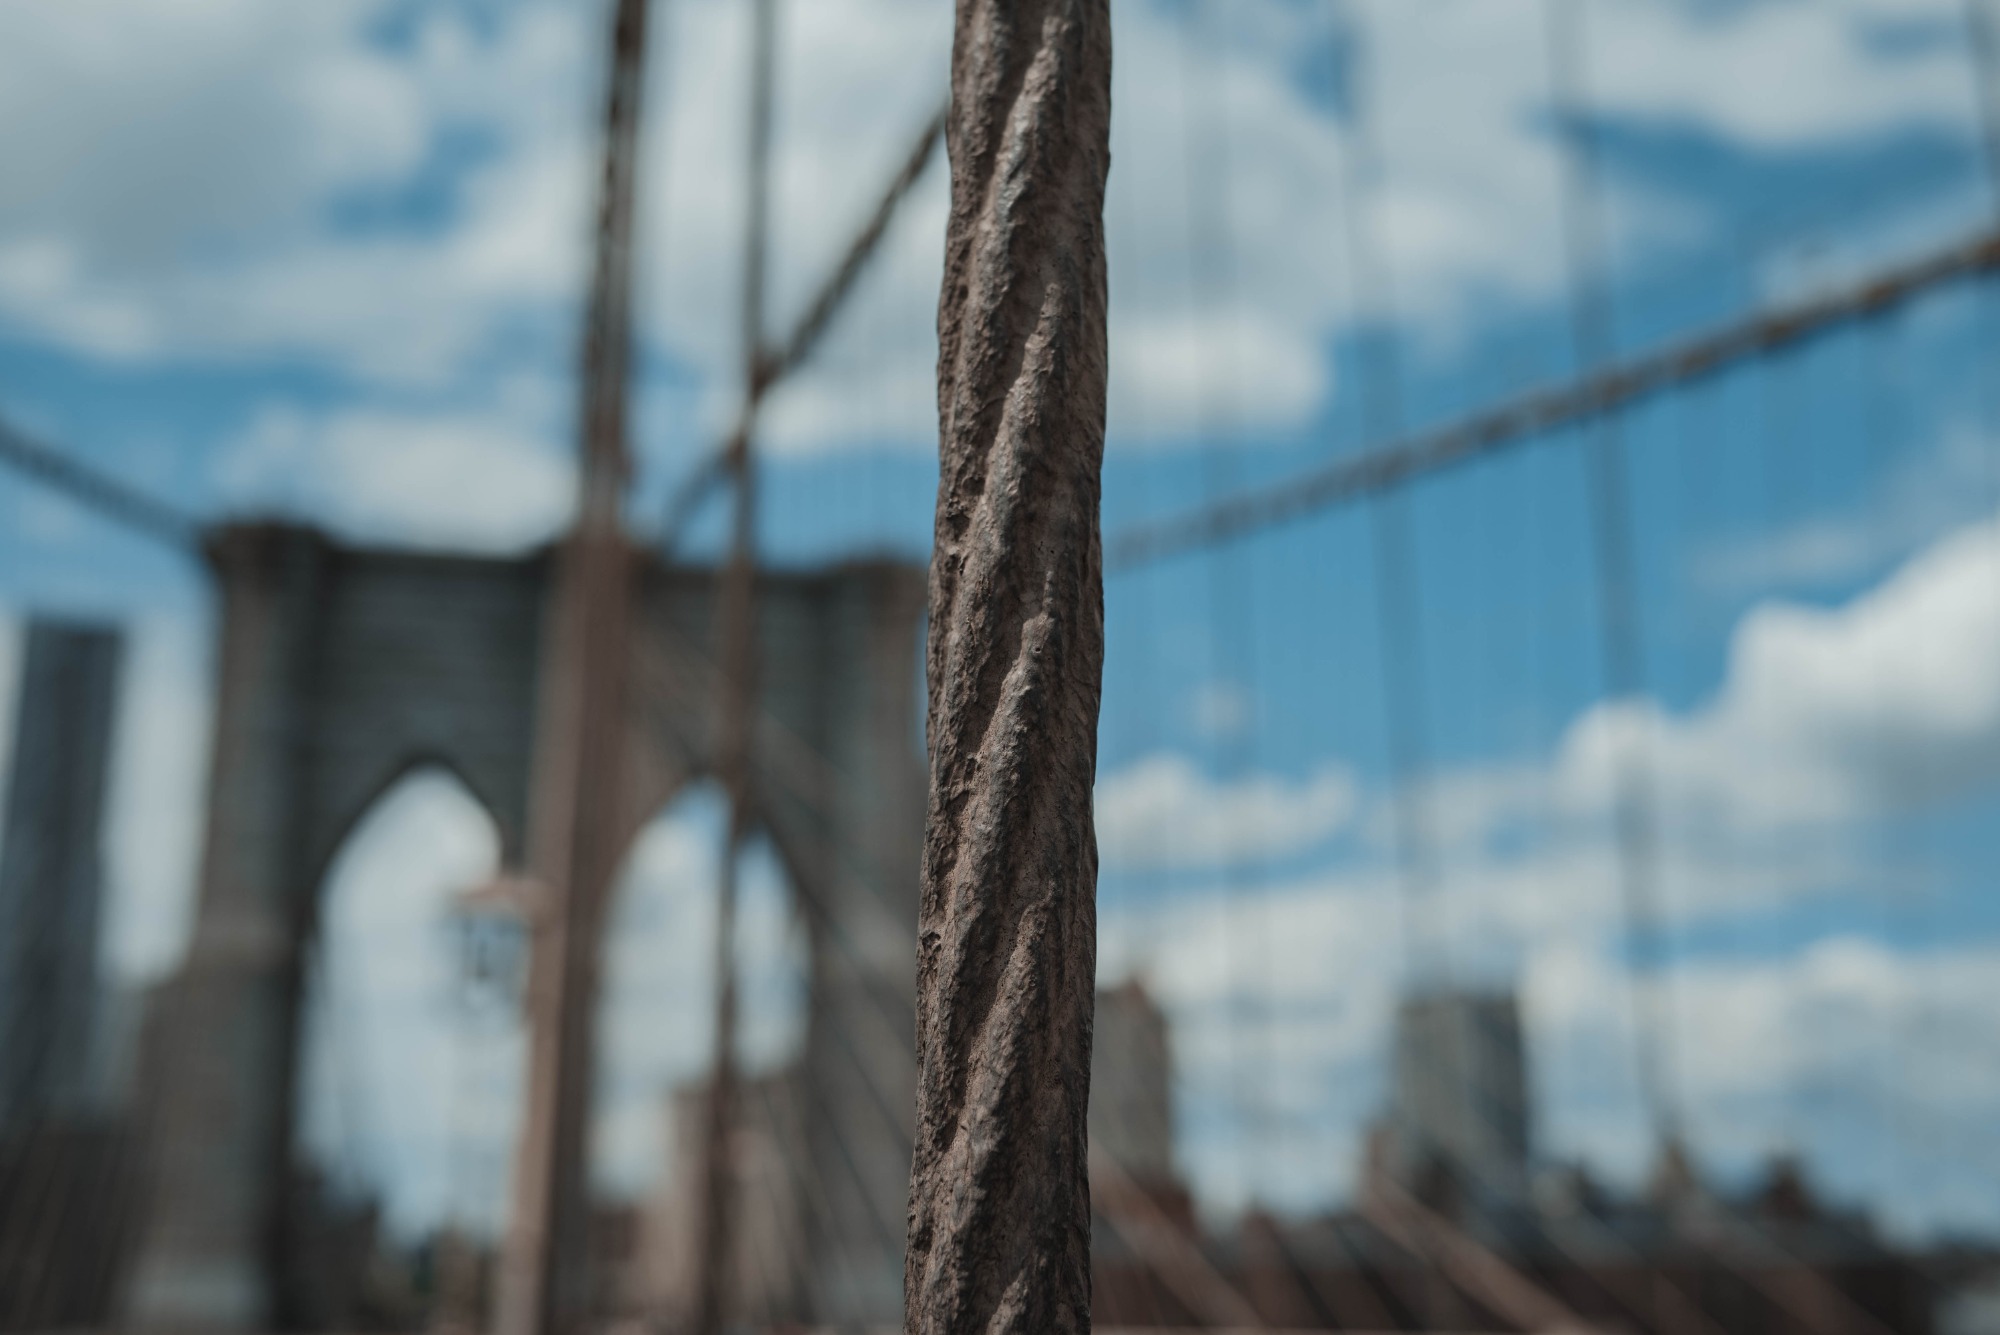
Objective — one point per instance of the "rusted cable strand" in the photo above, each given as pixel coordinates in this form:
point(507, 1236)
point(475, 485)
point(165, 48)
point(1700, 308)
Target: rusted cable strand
point(1537, 413)
point(999, 1222)
point(107, 495)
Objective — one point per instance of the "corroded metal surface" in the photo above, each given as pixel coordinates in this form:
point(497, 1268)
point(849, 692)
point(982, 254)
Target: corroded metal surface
point(999, 1198)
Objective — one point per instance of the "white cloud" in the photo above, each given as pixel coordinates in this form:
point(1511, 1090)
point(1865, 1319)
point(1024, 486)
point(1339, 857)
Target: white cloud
point(1876, 1063)
point(1162, 812)
point(1872, 1061)
point(1825, 717)
point(1928, 493)
point(141, 129)
point(1891, 699)
point(182, 174)
point(180, 169)
point(1207, 380)
point(1826, 720)
point(481, 480)
point(1714, 71)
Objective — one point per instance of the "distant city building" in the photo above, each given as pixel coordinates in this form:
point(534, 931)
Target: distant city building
point(1139, 1203)
point(767, 1265)
point(67, 1163)
point(1131, 1085)
point(51, 873)
point(1458, 1134)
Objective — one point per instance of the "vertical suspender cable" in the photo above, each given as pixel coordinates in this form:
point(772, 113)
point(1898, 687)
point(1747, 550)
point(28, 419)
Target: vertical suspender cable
point(1399, 605)
point(1876, 377)
point(1146, 641)
point(1634, 798)
point(1397, 598)
point(1982, 32)
point(736, 627)
point(1213, 283)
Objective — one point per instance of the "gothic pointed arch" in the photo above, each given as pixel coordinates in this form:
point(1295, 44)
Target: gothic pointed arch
point(340, 670)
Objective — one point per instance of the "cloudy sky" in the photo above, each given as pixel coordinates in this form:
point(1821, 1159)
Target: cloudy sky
point(325, 261)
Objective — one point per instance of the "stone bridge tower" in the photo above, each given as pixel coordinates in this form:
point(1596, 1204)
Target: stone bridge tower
point(340, 669)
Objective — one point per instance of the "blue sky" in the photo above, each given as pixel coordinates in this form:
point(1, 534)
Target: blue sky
point(326, 260)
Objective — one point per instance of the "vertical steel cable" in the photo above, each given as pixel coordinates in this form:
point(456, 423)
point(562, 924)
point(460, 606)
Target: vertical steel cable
point(1397, 595)
point(1213, 287)
point(1586, 250)
point(1982, 32)
point(1427, 959)
point(1876, 377)
point(736, 628)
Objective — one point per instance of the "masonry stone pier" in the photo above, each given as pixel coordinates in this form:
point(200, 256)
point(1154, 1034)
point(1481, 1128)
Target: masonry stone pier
point(340, 669)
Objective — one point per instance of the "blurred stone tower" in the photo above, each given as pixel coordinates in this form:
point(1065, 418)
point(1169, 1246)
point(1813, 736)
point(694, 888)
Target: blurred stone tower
point(341, 668)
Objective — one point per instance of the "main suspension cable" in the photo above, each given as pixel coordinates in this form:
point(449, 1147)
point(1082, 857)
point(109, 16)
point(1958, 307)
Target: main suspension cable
point(111, 497)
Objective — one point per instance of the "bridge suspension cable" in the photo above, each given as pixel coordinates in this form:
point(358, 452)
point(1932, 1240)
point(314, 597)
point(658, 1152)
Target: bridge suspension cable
point(1392, 536)
point(1634, 803)
point(1520, 420)
point(97, 490)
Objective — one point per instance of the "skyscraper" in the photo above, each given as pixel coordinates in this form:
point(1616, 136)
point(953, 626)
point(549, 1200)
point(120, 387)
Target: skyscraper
point(1131, 1086)
point(50, 870)
point(1458, 1131)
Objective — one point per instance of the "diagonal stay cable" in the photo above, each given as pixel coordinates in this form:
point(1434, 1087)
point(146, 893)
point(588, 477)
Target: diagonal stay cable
point(812, 326)
point(1475, 1268)
point(1532, 415)
point(774, 364)
point(1166, 1249)
point(118, 500)
point(88, 485)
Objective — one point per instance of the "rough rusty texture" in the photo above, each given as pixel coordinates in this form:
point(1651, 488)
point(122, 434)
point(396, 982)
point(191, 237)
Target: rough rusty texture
point(999, 1196)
